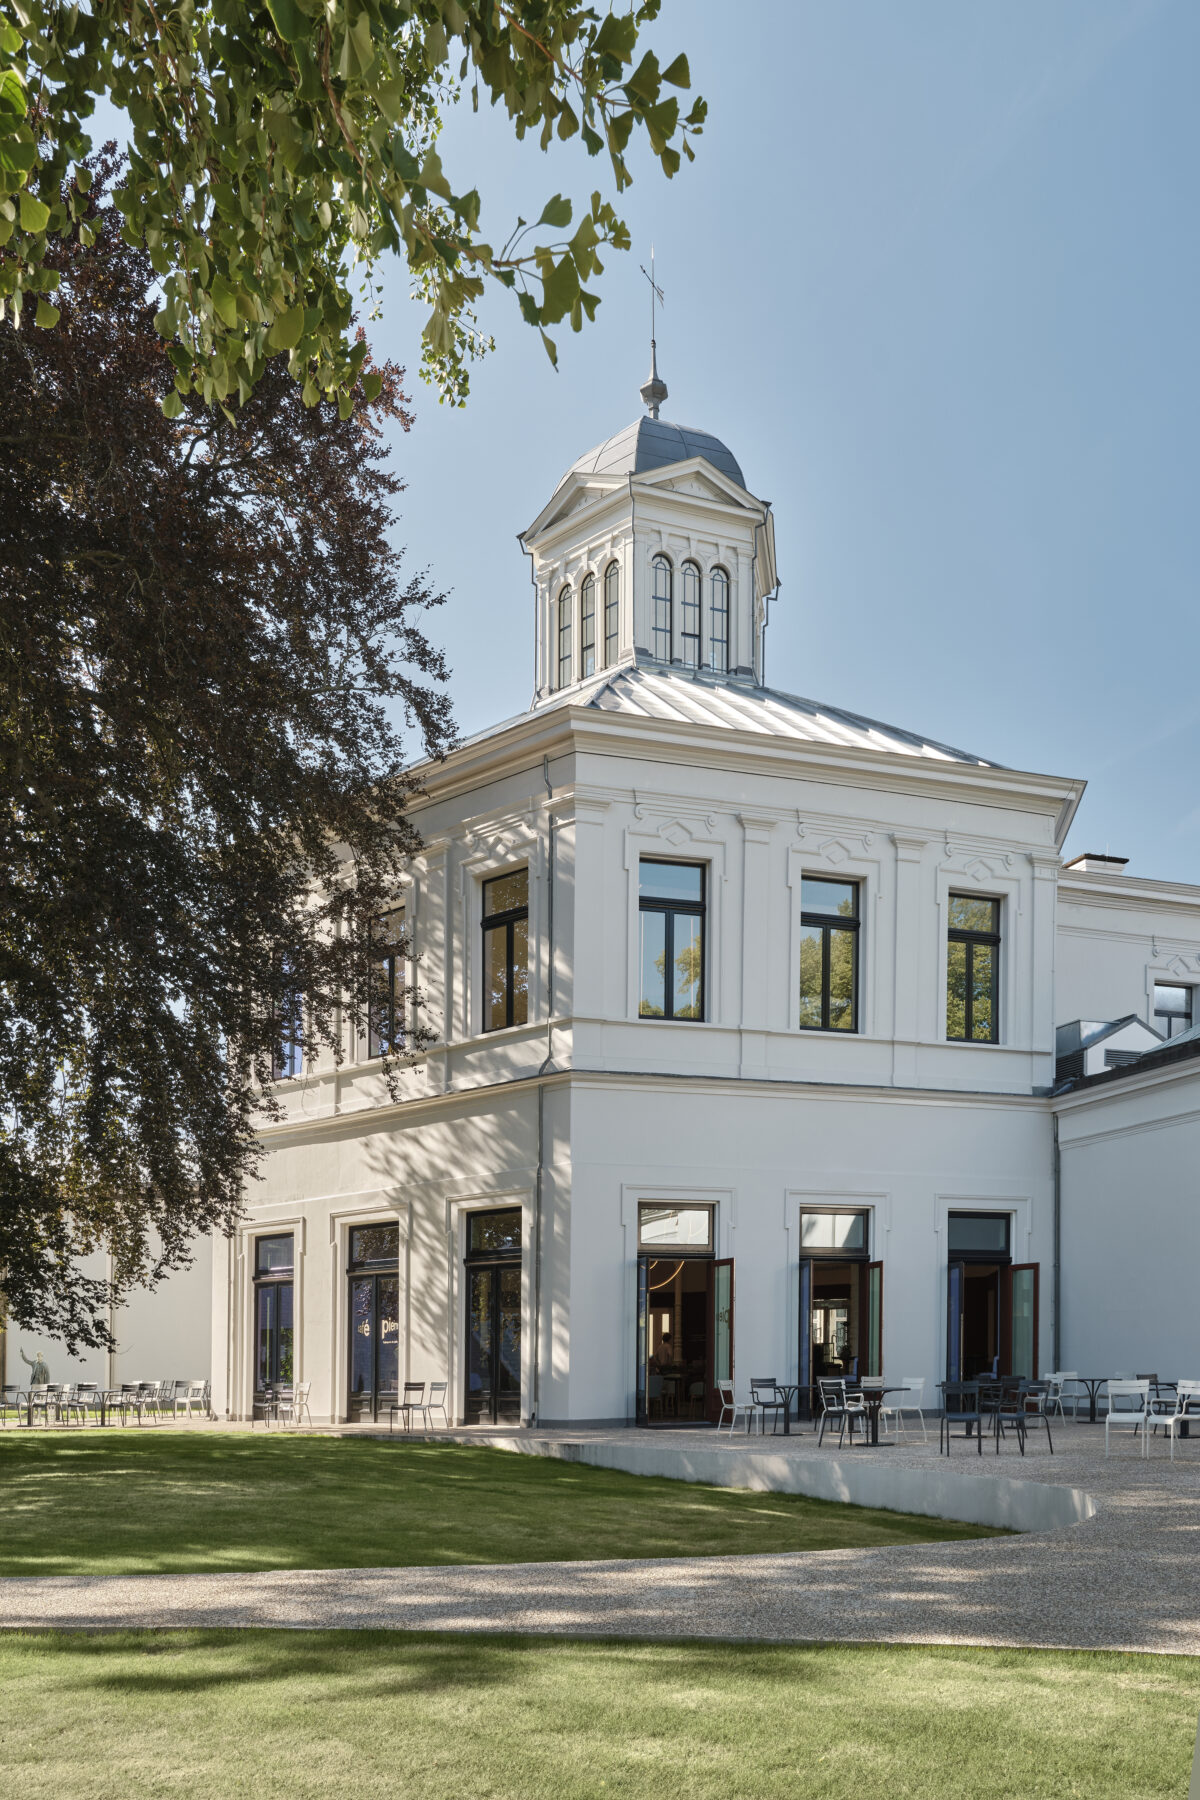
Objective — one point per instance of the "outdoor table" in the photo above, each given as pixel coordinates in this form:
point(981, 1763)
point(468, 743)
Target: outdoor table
point(873, 1395)
point(1093, 1384)
point(787, 1389)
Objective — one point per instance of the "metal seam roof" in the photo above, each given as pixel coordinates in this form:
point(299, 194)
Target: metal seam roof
point(655, 444)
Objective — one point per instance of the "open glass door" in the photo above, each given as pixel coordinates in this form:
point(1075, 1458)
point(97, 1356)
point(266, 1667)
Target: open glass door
point(720, 1337)
point(955, 1288)
point(805, 1374)
point(1023, 1317)
point(643, 1336)
point(874, 1319)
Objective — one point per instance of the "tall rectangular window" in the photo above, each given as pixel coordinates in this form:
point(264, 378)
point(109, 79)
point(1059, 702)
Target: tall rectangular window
point(273, 1311)
point(506, 950)
point(829, 925)
point(671, 902)
point(689, 618)
point(288, 1060)
point(564, 638)
point(1172, 1009)
point(587, 627)
point(612, 614)
point(661, 623)
point(719, 622)
point(973, 970)
point(385, 1030)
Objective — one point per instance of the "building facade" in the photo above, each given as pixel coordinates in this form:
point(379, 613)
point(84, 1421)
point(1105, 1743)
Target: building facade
point(744, 1015)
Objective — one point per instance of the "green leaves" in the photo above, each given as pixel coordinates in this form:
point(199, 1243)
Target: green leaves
point(271, 150)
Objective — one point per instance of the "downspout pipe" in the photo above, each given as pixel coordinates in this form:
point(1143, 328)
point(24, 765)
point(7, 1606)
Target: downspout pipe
point(1057, 1168)
point(547, 1065)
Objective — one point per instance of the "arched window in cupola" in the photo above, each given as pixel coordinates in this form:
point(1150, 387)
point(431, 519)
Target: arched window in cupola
point(612, 617)
point(660, 637)
point(719, 620)
point(587, 627)
point(564, 638)
point(689, 617)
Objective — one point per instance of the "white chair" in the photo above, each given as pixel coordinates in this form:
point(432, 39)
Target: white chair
point(913, 1387)
point(1128, 1410)
point(292, 1408)
point(733, 1407)
point(192, 1395)
point(1187, 1412)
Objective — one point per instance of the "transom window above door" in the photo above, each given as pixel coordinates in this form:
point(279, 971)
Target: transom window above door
point(829, 926)
point(839, 1231)
point(374, 1244)
point(671, 902)
point(662, 1226)
point(978, 1234)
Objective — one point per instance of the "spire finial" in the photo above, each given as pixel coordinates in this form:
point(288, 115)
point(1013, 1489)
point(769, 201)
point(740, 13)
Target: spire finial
point(654, 388)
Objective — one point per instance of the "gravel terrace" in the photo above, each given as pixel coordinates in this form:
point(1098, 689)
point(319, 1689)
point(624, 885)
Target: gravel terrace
point(1126, 1579)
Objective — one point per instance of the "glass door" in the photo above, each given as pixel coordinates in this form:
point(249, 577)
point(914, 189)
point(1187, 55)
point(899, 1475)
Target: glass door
point(274, 1297)
point(493, 1359)
point(721, 1333)
point(1023, 1320)
point(954, 1321)
point(374, 1314)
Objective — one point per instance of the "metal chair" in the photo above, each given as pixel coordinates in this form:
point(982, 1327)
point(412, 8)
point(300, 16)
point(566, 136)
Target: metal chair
point(12, 1399)
point(437, 1402)
point(1128, 1410)
point(292, 1407)
point(913, 1388)
point(765, 1398)
point(42, 1397)
point(960, 1406)
point(194, 1395)
point(412, 1402)
point(836, 1403)
point(1185, 1415)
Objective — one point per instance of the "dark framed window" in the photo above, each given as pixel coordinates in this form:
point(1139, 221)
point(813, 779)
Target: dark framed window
point(671, 901)
point(612, 613)
point(373, 1244)
point(663, 596)
point(564, 638)
point(689, 617)
point(506, 950)
point(274, 1292)
point(494, 1233)
point(683, 1230)
point(1172, 1009)
point(719, 621)
point(973, 971)
point(385, 1027)
point(288, 1060)
point(587, 627)
point(986, 1235)
point(829, 926)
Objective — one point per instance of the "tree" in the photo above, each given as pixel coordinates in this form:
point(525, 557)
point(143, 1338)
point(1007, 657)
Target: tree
point(272, 145)
point(203, 632)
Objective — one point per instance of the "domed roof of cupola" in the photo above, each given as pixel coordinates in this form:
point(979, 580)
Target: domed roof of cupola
point(653, 444)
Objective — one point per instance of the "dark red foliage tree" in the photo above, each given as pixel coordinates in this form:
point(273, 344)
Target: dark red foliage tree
point(204, 640)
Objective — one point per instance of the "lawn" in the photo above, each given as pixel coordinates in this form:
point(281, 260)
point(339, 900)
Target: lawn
point(130, 1502)
point(298, 1714)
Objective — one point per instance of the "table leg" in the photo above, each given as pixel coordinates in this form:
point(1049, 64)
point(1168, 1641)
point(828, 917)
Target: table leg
point(1093, 1388)
point(787, 1415)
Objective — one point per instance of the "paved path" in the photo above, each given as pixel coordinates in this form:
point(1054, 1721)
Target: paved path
point(1127, 1579)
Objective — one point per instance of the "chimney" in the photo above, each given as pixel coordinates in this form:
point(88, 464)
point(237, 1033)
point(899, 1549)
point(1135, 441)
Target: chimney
point(1091, 864)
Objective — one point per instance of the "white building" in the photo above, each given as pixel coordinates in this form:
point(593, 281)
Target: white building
point(745, 1013)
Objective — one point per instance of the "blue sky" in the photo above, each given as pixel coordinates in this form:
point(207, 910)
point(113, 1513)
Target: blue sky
point(935, 278)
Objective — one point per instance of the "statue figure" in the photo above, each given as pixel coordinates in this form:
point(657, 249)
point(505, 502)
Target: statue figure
point(39, 1374)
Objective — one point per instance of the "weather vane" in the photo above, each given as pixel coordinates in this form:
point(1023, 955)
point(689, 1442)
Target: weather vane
point(654, 390)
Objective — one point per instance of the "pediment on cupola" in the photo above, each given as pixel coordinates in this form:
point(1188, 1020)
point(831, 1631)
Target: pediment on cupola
point(699, 480)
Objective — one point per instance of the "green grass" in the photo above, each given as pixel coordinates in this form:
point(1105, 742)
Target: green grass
point(130, 1502)
point(296, 1714)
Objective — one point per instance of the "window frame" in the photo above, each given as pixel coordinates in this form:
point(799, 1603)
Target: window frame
point(612, 613)
point(827, 923)
point(505, 919)
point(1189, 1018)
point(690, 610)
point(836, 1252)
point(652, 1247)
point(993, 939)
point(587, 626)
point(395, 960)
point(718, 572)
point(690, 909)
point(563, 660)
point(276, 1279)
point(660, 564)
point(287, 1054)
